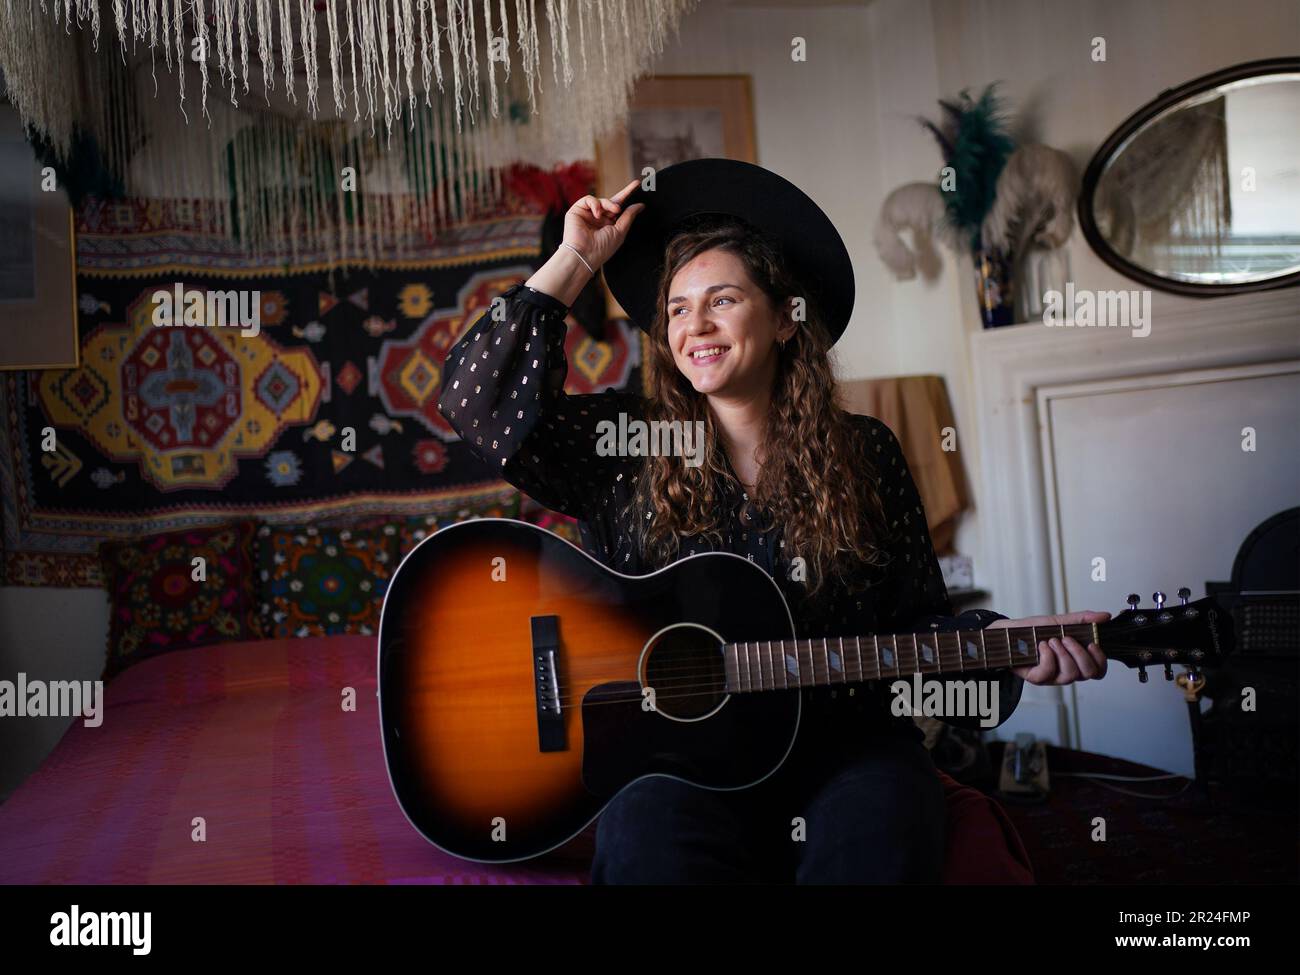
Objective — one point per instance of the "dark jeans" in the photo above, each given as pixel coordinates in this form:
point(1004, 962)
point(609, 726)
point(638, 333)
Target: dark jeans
point(871, 813)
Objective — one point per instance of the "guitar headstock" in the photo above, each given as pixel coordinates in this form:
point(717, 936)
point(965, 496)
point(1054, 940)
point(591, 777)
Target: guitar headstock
point(1193, 635)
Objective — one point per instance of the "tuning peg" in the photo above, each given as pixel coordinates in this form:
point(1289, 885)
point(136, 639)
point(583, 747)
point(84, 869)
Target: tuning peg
point(1133, 600)
point(1142, 674)
point(1184, 594)
point(1159, 597)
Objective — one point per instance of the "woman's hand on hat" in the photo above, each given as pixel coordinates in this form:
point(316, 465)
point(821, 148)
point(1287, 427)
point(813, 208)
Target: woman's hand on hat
point(597, 226)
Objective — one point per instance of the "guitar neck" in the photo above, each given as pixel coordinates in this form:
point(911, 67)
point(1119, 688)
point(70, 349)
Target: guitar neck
point(775, 665)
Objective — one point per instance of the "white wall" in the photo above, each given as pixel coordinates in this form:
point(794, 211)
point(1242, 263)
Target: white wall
point(815, 123)
point(52, 635)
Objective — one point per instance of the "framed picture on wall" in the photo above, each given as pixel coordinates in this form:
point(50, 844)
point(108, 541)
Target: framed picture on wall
point(673, 118)
point(38, 307)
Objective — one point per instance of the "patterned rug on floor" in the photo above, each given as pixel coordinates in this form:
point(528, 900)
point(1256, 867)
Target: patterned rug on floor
point(1186, 839)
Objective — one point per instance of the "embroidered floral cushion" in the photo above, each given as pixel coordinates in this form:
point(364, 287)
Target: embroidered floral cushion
point(321, 581)
point(176, 590)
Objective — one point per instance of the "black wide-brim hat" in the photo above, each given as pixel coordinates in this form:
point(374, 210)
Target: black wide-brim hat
point(811, 247)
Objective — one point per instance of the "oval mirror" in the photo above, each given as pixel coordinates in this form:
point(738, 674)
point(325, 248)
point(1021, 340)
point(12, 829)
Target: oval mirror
point(1198, 192)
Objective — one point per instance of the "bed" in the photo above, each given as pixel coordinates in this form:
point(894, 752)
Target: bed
point(247, 746)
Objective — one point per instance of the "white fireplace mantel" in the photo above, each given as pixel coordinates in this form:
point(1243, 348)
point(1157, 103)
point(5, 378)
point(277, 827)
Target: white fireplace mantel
point(1012, 364)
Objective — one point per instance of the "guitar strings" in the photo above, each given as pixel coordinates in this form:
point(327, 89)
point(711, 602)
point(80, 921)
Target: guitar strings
point(678, 667)
point(714, 687)
point(680, 672)
point(681, 668)
point(670, 662)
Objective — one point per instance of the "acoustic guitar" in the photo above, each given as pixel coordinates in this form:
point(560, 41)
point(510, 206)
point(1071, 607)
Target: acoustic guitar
point(522, 684)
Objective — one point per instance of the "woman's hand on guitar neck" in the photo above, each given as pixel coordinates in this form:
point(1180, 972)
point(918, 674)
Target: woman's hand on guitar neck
point(1061, 661)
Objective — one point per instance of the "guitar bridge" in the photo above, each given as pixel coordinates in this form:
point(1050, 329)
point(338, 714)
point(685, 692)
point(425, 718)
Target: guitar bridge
point(551, 736)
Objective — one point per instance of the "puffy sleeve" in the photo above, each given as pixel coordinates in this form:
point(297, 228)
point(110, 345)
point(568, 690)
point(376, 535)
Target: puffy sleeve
point(503, 392)
point(913, 597)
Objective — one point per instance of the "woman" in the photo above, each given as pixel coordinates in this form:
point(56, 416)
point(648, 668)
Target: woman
point(819, 498)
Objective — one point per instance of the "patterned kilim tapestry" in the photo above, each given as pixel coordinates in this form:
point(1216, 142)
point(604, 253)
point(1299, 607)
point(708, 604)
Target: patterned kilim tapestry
point(167, 428)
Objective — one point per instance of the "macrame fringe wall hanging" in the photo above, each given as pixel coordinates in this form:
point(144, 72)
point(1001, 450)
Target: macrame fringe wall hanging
point(251, 110)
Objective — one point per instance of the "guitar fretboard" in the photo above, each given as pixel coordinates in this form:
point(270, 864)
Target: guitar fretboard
point(774, 665)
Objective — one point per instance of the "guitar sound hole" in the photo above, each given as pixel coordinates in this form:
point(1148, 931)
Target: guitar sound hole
point(683, 666)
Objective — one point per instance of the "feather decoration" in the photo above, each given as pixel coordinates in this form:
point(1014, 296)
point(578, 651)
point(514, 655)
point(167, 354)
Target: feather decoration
point(1035, 201)
point(918, 207)
point(974, 142)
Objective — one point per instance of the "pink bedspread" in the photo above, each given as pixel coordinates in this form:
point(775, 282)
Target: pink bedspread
point(291, 788)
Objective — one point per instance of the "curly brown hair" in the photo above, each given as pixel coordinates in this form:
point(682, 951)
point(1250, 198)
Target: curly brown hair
point(814, 479)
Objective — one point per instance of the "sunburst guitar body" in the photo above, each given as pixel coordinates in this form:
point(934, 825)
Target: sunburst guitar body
point(523, 684)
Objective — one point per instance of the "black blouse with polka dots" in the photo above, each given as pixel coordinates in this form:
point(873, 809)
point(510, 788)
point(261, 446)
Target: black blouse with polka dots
point(503, 392)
